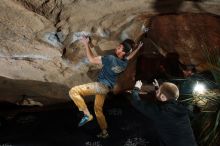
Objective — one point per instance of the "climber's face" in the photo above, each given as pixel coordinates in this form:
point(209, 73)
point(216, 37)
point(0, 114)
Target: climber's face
point(119, 51)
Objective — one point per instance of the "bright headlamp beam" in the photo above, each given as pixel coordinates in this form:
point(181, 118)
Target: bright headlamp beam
point(199, 88)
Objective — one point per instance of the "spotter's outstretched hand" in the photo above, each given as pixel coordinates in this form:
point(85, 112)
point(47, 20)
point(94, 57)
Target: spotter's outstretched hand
point(138, 84)
point(156, 84)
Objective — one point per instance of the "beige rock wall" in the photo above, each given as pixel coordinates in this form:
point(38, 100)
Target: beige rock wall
point(34, 33)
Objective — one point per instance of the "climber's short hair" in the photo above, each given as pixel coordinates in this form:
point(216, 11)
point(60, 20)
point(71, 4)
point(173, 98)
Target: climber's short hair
point(128, 45)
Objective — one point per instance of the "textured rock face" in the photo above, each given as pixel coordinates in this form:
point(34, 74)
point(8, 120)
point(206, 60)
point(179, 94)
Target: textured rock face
point(33, 36)
point(20, 47)
point(187, 35)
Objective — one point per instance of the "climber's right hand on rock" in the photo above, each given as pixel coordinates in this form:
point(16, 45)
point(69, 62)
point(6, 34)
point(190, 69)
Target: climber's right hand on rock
point(85, 40)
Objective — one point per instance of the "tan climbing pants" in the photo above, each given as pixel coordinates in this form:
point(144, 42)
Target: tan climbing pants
point(94, 88)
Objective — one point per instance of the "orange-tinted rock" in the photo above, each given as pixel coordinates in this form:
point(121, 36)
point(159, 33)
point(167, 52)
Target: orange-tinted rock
point(188, 35)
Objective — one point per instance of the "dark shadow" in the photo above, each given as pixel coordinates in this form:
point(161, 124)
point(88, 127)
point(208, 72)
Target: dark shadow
point(45, 92)
point(172, 6)
point(167, 6)
point(58, 126)
point(159, 66)
point(172, 65)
